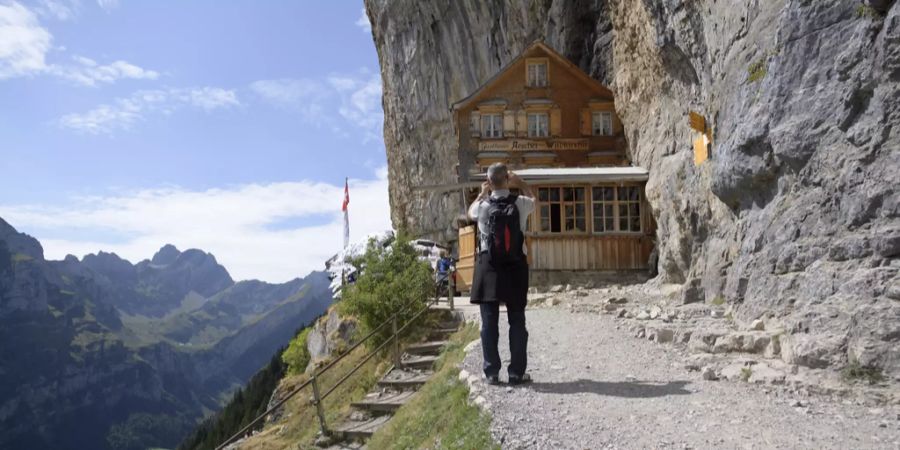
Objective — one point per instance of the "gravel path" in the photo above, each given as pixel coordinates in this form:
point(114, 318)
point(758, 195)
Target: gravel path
point(595, 387)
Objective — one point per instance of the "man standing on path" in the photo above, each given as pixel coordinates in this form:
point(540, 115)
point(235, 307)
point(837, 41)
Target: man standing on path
point(501, 269)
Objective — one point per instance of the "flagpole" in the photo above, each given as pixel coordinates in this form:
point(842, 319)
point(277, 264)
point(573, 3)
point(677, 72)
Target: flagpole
point(346, 212)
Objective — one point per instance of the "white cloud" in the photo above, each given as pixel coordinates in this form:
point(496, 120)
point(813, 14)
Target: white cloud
point(58, 9)
point(108, 4)
point(242, 226)
point(363, 106)
point(24, 43)
point(355, 98)
point(308, 97)
point(88, 72)
point(123, 113)
point(363, 22)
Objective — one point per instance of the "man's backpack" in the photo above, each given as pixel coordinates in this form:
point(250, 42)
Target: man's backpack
point(504, 234)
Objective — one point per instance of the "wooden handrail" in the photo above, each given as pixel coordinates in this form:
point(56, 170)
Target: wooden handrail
point(317, 374)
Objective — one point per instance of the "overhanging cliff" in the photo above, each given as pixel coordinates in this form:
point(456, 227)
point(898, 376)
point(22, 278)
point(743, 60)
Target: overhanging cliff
point(796, 213)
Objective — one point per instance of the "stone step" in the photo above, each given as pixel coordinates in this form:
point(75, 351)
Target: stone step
point(426, 348)
point(419, 362)
point(354, 429)
point(448, 324)
point(441, 333)
point(405, 379)
point(384, 402)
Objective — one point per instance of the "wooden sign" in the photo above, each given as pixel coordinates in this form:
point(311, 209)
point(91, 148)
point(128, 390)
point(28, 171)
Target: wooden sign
point(701, 149)
point(522, 145)
point(697, 122)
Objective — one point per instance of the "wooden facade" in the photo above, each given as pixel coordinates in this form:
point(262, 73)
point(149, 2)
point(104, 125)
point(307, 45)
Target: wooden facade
point(542, 111)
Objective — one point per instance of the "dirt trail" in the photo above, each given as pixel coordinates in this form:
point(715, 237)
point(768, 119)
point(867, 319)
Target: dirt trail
point(596, 387)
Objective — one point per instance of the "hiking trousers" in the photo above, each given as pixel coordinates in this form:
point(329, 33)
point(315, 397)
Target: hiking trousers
point(518, 340)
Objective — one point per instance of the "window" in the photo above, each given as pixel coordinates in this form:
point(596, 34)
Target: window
point(492, 125)
point(537, 74)
point(601, 123)
point(604, 209)
point(538, 125)
point(617, 209)
point(562, 209)
point(629, 199)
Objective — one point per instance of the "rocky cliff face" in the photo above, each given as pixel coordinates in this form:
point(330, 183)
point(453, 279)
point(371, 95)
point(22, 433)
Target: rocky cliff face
point(796, 213)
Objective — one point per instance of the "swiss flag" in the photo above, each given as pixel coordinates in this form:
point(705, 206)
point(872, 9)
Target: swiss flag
point(346, 196)
point(346, 216)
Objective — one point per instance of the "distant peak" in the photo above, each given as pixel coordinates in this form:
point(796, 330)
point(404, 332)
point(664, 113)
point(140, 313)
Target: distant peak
point(166, 255)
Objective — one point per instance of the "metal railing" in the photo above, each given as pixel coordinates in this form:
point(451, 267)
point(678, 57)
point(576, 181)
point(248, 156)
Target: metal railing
point(319, 397)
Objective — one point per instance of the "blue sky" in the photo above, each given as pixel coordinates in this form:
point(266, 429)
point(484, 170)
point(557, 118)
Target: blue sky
point(227, 126)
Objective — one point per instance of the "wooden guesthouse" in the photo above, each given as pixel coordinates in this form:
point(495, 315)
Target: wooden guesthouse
point(557, 128)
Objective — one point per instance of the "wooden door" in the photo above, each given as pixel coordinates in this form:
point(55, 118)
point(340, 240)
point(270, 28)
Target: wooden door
point(465, 268)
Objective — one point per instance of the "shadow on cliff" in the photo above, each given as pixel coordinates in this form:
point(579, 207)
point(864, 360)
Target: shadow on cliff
point(628, 389)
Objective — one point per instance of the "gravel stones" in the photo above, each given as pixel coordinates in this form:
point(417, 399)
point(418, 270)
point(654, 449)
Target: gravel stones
point(598, 388)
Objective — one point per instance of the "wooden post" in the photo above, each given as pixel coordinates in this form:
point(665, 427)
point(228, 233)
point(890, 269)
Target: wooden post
point(396, 343)
point(320, 411)
point(451, 287)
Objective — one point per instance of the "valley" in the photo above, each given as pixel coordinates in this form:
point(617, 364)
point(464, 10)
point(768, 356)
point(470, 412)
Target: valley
point(101, 353)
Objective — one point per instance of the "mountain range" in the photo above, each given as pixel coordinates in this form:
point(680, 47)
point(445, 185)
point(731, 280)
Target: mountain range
point(100, 353)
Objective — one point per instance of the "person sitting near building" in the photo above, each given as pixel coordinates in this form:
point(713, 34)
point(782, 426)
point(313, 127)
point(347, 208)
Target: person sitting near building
point(501, 269)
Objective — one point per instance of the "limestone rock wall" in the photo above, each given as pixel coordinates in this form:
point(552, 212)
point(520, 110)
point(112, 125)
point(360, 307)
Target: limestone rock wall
point(796, 213)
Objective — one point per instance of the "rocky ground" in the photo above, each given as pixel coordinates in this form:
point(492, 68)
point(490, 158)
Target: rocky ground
point(619, 368)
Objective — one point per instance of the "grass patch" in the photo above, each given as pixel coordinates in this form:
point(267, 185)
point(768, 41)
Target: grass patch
point(856, 372)
point(299, 425)
point(867, 12)
point(718, 300)
point(21, 257)
point(440, 415)
point(757, 70)
point(746, 373)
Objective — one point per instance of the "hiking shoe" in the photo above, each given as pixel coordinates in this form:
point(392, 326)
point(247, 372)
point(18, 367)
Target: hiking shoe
point(524, 379)
point(492, 380)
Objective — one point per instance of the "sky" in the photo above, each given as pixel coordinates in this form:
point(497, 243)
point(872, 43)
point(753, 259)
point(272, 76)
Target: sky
point(224, 126)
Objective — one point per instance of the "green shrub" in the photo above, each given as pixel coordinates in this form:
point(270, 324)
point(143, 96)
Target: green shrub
point(296, 356)
point(393, 280)
point(746, 373)
point(868, 12)
point(854, 371)
point(757, 70)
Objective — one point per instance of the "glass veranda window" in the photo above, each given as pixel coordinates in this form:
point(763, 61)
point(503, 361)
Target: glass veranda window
point(492, 125)
point(562, 209)
point(604, 209)
point(616, 209)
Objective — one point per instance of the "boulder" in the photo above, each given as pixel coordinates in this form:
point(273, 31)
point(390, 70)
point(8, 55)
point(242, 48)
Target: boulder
point(764, 374)
point(702, 340)
point(745, 341)
point(758, 325)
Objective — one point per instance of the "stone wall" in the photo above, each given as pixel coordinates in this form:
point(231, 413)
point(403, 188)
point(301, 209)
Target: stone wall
point(796, 213)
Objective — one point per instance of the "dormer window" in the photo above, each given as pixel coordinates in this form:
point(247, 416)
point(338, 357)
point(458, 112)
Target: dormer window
point(492, 125)
point(537, 72)
point(601, 123)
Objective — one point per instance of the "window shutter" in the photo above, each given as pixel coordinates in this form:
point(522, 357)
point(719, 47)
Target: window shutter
point(585, 121)
point(509, 123)
point(521, 124)
point(555, 122)
point(475, 123)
